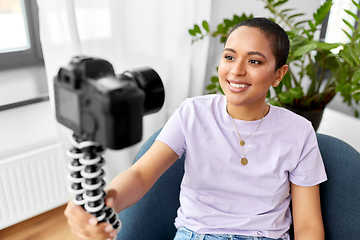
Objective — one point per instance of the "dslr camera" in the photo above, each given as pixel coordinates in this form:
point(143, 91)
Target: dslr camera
point(99, 106)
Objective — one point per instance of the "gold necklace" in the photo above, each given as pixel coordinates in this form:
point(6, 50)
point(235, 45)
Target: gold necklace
point(242, 140)
point(244, 160)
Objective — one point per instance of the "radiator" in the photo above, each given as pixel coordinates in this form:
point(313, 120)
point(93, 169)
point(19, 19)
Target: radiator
point(32, 181)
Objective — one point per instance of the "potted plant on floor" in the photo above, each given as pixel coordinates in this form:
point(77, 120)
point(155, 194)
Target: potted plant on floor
point(317, 70)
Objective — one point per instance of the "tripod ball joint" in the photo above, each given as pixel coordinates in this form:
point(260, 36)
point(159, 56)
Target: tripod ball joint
point(86, 180)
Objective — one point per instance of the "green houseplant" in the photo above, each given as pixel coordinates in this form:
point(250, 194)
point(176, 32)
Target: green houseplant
point(317, 70)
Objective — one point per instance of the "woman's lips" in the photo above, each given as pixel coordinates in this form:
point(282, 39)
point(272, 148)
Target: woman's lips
point(238, 87)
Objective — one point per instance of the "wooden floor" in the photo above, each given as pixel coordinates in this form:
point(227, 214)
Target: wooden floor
point(51, 225)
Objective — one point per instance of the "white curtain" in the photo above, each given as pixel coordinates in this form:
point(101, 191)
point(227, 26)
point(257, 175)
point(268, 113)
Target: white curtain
point(128, 34)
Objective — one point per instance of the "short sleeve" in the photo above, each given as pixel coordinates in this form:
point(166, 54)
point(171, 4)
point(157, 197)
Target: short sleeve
point(310, 169)
point(172, 133)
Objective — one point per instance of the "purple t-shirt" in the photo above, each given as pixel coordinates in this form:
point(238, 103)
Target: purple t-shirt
point(218, 194)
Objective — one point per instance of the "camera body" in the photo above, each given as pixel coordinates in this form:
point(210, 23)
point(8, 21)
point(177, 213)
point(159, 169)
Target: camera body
point(103, 107)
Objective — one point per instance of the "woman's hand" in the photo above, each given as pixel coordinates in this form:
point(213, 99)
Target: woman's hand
point(85, 226)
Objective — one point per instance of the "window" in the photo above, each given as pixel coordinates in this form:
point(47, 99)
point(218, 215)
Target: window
point(19, 43)
point(22, 72)
point(331, 30)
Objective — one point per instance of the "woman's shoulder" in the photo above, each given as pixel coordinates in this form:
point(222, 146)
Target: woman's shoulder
point(288, 119)
point(286, 113)
point(202, 107)
point(207, 100)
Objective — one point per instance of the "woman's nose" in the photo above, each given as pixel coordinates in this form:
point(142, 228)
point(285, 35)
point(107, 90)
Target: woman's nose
point(238, 69)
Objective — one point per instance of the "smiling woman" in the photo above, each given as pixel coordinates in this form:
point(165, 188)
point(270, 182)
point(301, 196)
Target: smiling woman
point(247, 69)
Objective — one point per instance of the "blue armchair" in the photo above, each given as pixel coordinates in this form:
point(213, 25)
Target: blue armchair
point(152, 218)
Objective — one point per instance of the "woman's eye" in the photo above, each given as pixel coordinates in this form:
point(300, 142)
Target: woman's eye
point(255, 61)
point(229, 58)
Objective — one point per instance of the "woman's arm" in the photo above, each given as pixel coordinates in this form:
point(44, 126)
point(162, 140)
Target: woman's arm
point(306, 209)
point(125, 190)
point(131, 185)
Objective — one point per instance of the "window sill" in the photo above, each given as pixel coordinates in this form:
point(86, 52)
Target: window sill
point(24, 102)
point(22, 86)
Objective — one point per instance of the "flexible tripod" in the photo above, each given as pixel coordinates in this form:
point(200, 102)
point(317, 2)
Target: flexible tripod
point(87, 183)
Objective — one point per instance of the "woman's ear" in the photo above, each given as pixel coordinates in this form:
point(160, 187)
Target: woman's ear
point(280, 73)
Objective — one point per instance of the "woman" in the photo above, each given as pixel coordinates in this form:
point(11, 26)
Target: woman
point(243, 156)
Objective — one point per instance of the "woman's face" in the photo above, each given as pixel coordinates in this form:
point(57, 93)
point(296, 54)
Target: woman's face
point(247, 67)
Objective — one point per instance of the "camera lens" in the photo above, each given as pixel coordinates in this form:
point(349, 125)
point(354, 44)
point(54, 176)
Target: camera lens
point(150, 82)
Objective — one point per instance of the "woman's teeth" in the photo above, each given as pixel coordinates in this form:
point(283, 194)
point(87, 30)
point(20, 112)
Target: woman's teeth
point(239, 85)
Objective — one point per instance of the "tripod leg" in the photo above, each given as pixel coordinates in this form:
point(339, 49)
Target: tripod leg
point(86, 176)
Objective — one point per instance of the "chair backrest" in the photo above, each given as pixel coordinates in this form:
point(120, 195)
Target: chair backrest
point(340, 194)
point(152, 218)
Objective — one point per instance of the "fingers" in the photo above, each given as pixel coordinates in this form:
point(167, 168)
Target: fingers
point(78, 214)
point(85, 226)
point(100, 231)
point(110, 198)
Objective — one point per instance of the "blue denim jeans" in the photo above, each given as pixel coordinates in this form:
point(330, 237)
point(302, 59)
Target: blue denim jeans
point(186, 234)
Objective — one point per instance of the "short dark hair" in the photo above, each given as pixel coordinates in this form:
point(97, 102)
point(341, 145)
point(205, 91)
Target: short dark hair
point(279, 40)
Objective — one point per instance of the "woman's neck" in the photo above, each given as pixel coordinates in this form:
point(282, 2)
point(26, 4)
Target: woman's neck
point(248, 113)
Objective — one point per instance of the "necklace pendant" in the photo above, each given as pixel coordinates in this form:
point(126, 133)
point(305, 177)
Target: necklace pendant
point(244, 161)
point(242, 143)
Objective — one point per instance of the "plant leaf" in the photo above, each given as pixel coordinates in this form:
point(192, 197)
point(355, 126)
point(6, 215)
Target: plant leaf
point(305, 49)
point(236, 19)
point(275, 103)
point(197, 29)
point(279, 88)
point(301, 22)
point(344, 54)
point(285, 97)
point(220, 28)
point(321, 13)
point(206, 26)
point(312, 26)
point(347, 34)
point(296, 15)
point(352, 14)
point(192, 32)
point(356, 113)
point(286, 10)
point(296, 92)
point(211, 87)
point(287, 80)
point(214, 79)
point(327, 46)
point(356, 93)
point(222, 39)
point(228, 23)
point(356, 77)
point(356, 4)
point(268, 95)
point(354, 55)
point(279, 3)
point(298, 40)
point(349, 25)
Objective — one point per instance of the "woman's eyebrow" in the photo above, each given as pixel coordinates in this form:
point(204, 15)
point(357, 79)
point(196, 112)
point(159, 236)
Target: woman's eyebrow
point(229, 49)
point(249, 53)
point(256, 53)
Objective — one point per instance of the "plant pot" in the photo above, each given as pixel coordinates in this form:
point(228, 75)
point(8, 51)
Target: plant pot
point(314, 116)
